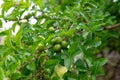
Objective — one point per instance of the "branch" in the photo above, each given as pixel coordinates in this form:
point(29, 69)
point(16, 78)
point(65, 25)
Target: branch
point(112, 27)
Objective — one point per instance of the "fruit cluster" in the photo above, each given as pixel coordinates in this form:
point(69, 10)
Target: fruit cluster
point(59, 43)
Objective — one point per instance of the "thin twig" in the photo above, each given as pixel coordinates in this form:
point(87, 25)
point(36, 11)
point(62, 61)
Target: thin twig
point(112, 27)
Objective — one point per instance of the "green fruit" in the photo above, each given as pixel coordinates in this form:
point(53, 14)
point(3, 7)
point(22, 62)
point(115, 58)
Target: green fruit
point(40, 47)
point(51, 29)
point(53, 41)
point(60, 70)
point(58, 39)
point(57, 47)
point(64, 44)
point(47, 71)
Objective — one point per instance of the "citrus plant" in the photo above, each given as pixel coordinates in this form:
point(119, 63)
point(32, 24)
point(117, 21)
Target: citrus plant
point(63, 41)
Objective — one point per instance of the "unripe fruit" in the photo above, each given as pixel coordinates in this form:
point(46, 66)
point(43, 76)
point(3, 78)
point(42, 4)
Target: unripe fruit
point(64, 44)
point(53, 41)
point(58, 39)
point(40, 47)
point(57, 47)
point(60, 70)
point(51, 29)
point(47, 71)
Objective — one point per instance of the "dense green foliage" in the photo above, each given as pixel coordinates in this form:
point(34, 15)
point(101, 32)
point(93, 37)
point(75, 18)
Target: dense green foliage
point(62, 44)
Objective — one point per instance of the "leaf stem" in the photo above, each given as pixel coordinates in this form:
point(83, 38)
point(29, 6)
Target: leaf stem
point(112, 27)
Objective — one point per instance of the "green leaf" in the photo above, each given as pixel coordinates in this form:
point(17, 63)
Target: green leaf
point(31, 66)
point(25, 71)
point(68, 62)
point(10, 17)
point(47, 23)
point(72, 18)
point(68, 33)
point(97, 67)
point(51, 62)
point(72, 49)
point(49, 38)
point(2, 75)
point(102, 61)
point(3, 50)
point(39, 3)
point(7, 5)
point(14, 26)
point(84, 16)
point(0, 23)
point(17, 38)
point(4, 33)
point(13, 66)
point(81, 66)
point(16, 76)
point(97, 42)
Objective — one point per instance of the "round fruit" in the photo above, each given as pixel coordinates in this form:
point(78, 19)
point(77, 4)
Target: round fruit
point(47, 71)
point(51, 29)
point(58, 39)
point(57, 47)
point(60, 70)
point(53, 41)
point(40, 47)
point(64, 44)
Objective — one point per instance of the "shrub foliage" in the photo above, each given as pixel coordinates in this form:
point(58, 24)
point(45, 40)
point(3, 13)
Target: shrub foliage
point(63, 41)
